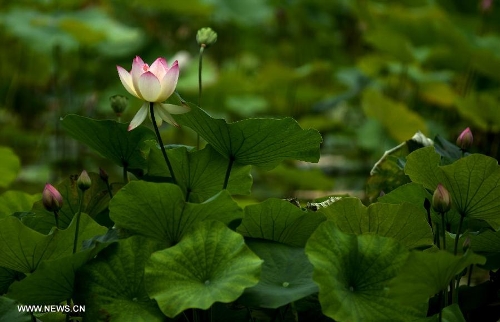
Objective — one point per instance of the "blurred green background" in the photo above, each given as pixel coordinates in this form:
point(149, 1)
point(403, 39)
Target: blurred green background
point(367, 74)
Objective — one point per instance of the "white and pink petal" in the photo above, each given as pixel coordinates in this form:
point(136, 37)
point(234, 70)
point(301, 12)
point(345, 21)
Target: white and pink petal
point(126, 80)
point(139, 117)
point(162, 112)
point(176, 109)
point(159, 67)
point(149, 87)
point(138, 68)
point(169, 82)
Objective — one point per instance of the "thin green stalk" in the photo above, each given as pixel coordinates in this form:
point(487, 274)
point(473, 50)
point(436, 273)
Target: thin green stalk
point(78, 215)
point(470, 274)
point(454, 289)
point(125, 175)
point(158, 136)
point(457, 236)
point(228, 173)
point(436, 237)
point(109, 190)
point(444, 230)
point(441, 306)
point(56, 216)
point(200, 67)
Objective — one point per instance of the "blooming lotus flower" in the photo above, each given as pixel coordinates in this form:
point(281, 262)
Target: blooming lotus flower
point(153, 84)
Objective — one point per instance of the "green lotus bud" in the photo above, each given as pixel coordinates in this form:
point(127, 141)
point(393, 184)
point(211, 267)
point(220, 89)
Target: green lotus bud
point(118, 104)
point(83, 181)
point(465, 139)
point(441, 200)
point(206, 37)
point(51, 198)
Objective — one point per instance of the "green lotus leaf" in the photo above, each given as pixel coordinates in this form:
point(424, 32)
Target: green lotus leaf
point(286, 275)
point(404, 222)
point(16, 201)
point(353, 273)
point(158, 210)
point(125, 148)
point(7, 277)
point(427, 273)
point(413, 193)
point(199, 173)
point(23, 248)
point(112, 286)
point(53, 280)
point(400, 121)
point(451, 313)
point(9, 311)
point(280, 221)
point(9, 166)
point(210, 264)
point(473, 182)
point(260, 142)
point(95, 200)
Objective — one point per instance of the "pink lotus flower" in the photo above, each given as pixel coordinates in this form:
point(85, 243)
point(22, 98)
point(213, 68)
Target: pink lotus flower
point(153, 84)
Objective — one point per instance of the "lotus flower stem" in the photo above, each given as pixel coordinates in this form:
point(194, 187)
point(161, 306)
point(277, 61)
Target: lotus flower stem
point(444, 230)
point(78, 215)
point(160, 142)
point(200, 67)
point(56, 216)
point(228, 172)
point(457, 236)
point(125, 175)
point(470, 274)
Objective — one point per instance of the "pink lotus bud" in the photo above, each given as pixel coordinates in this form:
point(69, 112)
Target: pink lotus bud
point(83, 181)
point(465, 139)
point(441, 200)
point(51, 198)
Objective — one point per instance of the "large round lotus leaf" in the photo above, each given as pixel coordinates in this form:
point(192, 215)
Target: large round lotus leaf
point(404, 222)
point(159, 211)
point(260, 142)
point(16, 201)
point(53, 281)
point(353, 273)
point(280, 221)
point(427, 273)
point(210, 264)
point(112, 285)
point(200, 173)
point(9, 311)
point(473, 182)
point(123, 147)
point(286, 275)
point(22, 249)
